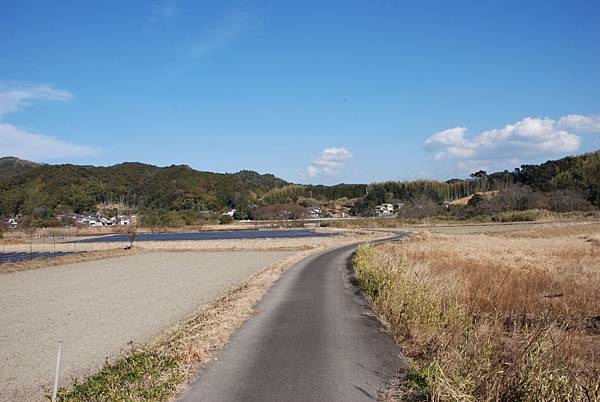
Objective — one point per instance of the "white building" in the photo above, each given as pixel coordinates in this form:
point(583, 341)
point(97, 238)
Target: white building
point(384, 209)
point(313, 212)
point(229, 213)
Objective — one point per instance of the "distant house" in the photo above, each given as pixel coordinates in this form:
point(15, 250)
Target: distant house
point(229, 213)
point(108, 222)
point(384, 209)
point(338, 214)
point(313, 212)
point(12, 223)
point(398, 205)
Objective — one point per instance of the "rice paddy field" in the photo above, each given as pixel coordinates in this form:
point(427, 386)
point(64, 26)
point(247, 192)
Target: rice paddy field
point(97, 307)
point(53, 245)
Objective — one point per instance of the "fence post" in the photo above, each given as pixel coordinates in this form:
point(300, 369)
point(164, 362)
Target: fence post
point(57, 371)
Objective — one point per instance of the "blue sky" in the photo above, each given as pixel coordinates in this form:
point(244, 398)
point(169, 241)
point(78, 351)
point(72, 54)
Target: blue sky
point(319, 92)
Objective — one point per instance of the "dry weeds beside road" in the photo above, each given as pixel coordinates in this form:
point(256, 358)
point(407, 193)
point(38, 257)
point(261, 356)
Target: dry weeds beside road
point(502, 315)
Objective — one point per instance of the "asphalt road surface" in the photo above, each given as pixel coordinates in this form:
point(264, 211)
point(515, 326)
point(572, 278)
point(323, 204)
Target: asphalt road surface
point(314, 339)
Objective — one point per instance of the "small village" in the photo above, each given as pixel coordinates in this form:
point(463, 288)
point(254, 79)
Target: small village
point(310, 213)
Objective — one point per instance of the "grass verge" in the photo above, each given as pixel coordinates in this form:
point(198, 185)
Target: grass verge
point(491, 317)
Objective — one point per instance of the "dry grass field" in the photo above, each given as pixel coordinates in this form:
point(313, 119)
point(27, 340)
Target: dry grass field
point(512, 315)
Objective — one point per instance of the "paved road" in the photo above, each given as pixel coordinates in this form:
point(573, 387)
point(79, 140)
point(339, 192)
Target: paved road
point(96, 307)
point(314, 339)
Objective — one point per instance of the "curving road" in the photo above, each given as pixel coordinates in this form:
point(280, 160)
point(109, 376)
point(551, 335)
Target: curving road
point(314, 338)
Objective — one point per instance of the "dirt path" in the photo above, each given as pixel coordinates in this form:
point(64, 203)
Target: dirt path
point(97, 307)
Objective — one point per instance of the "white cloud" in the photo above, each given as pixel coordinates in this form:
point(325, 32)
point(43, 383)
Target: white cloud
point(23, 144)
point(451, 136)
point(580, 123)
point(526, 138)
point(14, 97)
point(329, 163)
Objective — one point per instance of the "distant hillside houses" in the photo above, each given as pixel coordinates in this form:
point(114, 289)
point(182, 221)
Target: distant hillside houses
point(388, 209)
point(91, 220)
point(313, 212)
point(384, 209)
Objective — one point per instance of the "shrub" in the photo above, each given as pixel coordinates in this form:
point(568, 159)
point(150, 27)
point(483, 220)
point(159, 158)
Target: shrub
point(225, 219)
point(516, 216)
point(165, 218)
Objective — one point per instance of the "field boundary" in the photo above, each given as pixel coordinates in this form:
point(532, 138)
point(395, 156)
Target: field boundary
point(69, 259)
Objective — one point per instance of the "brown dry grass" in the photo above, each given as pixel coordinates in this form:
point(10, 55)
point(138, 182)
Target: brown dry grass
point(465, 200)
point(510, 229)
point(86, 231)
point(560, 230)
point(498, 316)
point(12, 241)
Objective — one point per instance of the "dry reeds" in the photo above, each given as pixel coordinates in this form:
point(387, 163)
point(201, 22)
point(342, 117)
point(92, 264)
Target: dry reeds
point(493, 317)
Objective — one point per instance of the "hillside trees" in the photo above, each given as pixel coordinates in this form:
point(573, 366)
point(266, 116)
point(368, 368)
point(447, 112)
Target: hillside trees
point(280, 212)
point(27, 188)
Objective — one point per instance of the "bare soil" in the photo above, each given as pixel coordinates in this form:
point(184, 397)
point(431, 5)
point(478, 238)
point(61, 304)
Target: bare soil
point(97, 307)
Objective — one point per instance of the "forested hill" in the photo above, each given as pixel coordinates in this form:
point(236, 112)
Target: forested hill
point(137, 185)
point(30, 188)
point(11, 166)
point(576, 174)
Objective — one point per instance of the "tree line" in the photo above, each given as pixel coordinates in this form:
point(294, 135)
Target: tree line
point(43, 191)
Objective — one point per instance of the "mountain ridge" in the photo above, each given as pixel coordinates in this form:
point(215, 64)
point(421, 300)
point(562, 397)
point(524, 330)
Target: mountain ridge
point(28, 187)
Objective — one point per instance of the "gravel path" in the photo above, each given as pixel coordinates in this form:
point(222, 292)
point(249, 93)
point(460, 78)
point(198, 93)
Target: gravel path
point(97, 307)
